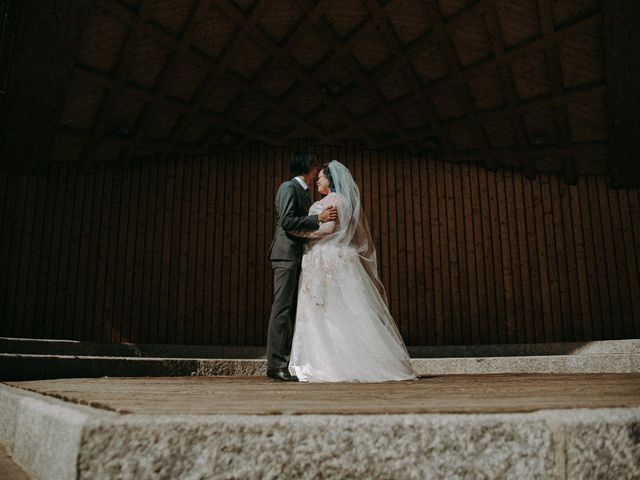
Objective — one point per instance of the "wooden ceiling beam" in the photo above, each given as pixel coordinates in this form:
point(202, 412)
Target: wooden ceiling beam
point(596, 151)
point(342, 49)
point(10, 15)
point(269, 103)
point(303, 77)
point(105, 81)
point(249, 86)
point(480, 7)
point(168, 102)
point(280, 54)
point(621, 47)
point(462, 87)
point(515, 112)
point(161, 146)
point(330, 37)
point(514, 104)
point(181, 46)
point(301, 122)
point(430, 113)
point(110, 102)
point(229, 55)
point(436, 35)
point(48, 36)
point(216, 67)
point(509, 56)
point(501, 62)
point(554, 70)
point(505, 75)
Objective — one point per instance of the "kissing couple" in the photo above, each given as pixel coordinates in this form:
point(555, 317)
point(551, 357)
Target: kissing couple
point(330, 320)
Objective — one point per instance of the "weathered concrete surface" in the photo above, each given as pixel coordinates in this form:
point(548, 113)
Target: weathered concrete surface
point(31, 346)
point(236, 368)
point(601, 363)
point(47, 437)
point(54, 440)
point(32, 367)
point(42, 433)
point(22, 367)
point(9, 407)
point(28, 359)
point(409, 446)
point(602, 445)
point(28, 346)
point(600, 347)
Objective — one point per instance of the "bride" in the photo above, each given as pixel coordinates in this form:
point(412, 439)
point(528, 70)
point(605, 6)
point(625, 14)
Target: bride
point(344, 331)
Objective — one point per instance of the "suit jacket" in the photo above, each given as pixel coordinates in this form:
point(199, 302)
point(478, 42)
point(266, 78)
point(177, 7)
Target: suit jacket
point(292, 205)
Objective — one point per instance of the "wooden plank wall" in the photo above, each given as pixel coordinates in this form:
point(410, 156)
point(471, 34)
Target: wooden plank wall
point(176, 252)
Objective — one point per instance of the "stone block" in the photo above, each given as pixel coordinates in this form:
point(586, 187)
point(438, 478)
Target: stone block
point(54, 439)
point(319, 446)
point(603, 446)
point(606, 363)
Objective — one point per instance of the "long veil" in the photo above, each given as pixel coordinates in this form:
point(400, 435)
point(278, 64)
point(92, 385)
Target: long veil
point(353, 231)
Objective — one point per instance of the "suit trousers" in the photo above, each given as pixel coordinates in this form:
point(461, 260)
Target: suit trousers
point(283, 312)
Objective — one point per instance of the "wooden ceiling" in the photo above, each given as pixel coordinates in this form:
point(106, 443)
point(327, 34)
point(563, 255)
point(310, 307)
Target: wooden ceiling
point(518, 83)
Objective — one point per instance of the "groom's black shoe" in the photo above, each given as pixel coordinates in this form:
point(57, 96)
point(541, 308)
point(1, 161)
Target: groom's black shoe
point(281, 374)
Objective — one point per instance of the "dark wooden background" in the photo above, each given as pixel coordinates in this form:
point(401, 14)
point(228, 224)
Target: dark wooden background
point(175, 252)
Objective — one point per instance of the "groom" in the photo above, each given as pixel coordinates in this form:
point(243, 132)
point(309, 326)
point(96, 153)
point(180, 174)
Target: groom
point(292, 204)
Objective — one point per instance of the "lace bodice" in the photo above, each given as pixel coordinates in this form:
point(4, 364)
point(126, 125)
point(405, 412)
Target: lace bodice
point(325, 228)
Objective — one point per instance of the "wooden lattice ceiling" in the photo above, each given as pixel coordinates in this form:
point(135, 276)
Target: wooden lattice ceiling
point(519, 82)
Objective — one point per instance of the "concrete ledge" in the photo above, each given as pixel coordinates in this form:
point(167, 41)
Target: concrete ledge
point(30, 346)
point(42, 433)
point(600, 347)
point(605, 363)
point(54, 439)
point(32, 367)
point(23, 367)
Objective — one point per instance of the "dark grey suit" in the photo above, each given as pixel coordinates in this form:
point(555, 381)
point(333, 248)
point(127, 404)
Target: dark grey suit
point(292, 204)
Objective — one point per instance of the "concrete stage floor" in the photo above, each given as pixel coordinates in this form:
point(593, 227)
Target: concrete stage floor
point(261, 396)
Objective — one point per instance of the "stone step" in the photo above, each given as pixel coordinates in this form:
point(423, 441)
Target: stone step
point(55, 439)
point(26, 359)
point(32, 367)
point(73, 347)
point(33, 346)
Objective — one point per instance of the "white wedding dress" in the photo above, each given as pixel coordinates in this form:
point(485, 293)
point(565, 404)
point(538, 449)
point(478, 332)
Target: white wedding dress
point(343, 331)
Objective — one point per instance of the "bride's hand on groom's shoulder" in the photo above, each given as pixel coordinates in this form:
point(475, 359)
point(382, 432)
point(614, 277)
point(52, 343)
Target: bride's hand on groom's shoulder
point(329, 214)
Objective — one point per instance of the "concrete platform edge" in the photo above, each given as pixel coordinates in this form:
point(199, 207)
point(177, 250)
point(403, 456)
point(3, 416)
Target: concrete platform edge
point(32, 367)
point(54, 439)
point(42, 433)
point(31, 346)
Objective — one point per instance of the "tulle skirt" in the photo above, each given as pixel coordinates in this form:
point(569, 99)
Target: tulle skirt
point(344, 331)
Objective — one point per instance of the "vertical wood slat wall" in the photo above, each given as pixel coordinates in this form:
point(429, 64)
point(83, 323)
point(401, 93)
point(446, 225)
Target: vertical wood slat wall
point(176, 252)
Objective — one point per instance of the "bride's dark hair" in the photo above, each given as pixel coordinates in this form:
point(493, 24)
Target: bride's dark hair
point(327, 173)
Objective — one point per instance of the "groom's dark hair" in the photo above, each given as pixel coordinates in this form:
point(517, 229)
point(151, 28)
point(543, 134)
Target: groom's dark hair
point(302, 162)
